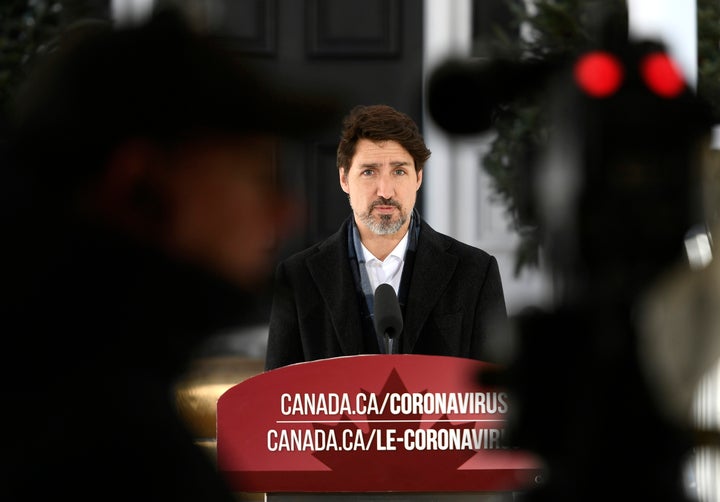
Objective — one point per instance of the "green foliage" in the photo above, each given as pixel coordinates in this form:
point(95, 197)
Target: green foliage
point(708, 19)
point(554, 30)
point(26, 28)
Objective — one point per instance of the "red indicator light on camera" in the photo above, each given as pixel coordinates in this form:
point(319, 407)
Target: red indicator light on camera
point(598, 74)
point(661, 75)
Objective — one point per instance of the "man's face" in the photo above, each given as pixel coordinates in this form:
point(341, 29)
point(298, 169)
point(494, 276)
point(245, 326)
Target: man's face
point(382, 185)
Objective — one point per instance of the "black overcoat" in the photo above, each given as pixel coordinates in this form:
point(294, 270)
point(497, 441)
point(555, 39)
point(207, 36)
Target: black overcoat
point(455, 301)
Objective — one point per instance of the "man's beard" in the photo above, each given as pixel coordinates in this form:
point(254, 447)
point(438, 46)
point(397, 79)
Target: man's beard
point(386, 225)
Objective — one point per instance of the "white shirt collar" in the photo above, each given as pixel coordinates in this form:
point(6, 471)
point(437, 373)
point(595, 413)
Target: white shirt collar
point(398, 251)
point(387, 271)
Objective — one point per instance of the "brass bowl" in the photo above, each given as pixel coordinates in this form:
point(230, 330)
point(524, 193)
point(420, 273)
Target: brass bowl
point(207, 379)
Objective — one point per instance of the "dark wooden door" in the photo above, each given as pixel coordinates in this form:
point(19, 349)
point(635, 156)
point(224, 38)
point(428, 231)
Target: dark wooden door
point(368, 51)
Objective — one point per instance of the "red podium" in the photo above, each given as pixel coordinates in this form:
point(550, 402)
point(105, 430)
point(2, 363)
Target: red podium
point(391, 427)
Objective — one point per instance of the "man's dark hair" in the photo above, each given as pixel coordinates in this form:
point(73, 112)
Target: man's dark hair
point(379, 123)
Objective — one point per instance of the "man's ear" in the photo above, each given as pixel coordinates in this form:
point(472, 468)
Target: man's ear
point(343, 180)
point(130, 190)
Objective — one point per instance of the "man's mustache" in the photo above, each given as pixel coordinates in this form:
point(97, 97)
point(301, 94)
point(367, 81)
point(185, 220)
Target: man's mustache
point(385, 202)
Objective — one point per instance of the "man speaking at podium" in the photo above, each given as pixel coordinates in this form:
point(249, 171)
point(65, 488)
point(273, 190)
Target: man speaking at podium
point(449, 294)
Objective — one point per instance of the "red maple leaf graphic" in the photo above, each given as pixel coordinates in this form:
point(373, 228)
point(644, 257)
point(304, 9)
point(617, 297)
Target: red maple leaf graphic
point(381, 462)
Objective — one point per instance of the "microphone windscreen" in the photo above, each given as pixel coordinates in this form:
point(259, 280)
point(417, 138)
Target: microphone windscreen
point(463, 94)
point(388, 317)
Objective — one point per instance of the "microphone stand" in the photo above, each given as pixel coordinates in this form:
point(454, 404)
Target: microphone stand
point(389, 341)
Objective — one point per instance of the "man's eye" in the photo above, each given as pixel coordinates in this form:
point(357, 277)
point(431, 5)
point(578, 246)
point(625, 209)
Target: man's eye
point(400, 172)
point(367, 172)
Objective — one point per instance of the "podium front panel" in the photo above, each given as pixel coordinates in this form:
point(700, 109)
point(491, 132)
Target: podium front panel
point(370, 423)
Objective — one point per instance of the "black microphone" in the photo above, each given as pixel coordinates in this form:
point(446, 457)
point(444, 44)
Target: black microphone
point(388, 318)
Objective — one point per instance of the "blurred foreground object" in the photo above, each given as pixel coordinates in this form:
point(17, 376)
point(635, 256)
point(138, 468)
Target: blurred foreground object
point(141, 208)
point(679, 317)
point(614, 192)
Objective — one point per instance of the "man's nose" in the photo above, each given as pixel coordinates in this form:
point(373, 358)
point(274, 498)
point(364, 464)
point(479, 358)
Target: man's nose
point(386, 186)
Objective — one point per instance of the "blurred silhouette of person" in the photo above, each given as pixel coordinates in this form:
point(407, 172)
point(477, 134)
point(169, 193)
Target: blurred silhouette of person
point(450, 294)
point(141, 210)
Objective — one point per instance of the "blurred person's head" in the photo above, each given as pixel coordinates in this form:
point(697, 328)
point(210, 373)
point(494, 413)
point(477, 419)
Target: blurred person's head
point(159, 133)
point(380, 160)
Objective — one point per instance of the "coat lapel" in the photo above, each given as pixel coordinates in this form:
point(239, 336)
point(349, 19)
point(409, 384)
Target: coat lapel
point(430, 276)
point(330, 269)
